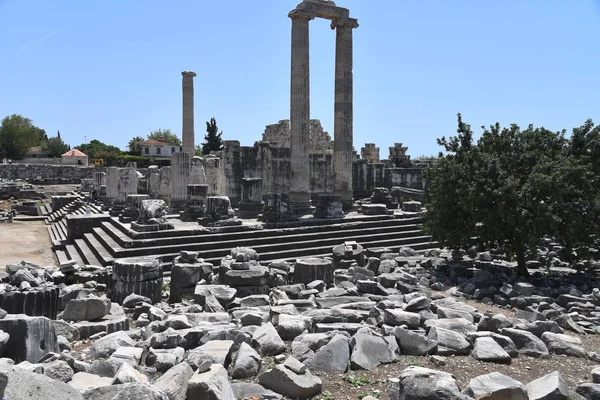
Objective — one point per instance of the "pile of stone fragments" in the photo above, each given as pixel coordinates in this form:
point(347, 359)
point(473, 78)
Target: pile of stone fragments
point(247, 330)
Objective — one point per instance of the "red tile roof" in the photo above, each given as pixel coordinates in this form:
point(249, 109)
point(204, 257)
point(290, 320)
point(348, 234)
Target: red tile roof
point(74, 153)
point(152, 141)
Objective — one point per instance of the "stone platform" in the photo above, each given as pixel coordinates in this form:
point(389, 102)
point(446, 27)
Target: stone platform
point(306, 237)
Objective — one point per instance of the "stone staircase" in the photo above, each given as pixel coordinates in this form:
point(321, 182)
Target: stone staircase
point(113, 240)
point(57, 225)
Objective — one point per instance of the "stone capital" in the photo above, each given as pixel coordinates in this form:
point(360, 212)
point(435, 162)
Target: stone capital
point(296, 13)
point(187, 74)
point(344, 22)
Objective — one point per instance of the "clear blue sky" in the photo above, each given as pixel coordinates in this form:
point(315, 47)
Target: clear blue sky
point(111, 69)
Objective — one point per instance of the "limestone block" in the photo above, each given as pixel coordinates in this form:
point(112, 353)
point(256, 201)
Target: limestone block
point(312, 269)
point(329, 207)
point(30, 337)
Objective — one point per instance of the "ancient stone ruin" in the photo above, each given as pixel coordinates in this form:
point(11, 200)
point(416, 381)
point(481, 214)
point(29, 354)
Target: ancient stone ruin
point(265, 271)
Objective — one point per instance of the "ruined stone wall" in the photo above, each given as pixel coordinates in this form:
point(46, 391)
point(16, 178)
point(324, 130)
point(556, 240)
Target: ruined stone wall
point(366, 176)
point(233, 170)
point(279, 135)
point(321, 174)
point(407, 177)
point(47, 173)
point(272, 164)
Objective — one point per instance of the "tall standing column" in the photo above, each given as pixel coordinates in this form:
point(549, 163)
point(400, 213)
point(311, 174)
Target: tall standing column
point(300, 112)
point(343, 109)
point(187, 131)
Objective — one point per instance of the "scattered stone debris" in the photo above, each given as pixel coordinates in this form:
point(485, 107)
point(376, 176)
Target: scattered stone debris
point(85, 332)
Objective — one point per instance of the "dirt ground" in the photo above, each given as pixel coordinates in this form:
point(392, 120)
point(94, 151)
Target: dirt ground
point(357, 384)
point(25, 240)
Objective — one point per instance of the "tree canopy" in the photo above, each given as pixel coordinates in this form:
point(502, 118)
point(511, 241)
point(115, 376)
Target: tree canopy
point(513, 187)
point(55, 146)
point(212, 139)
point(165, 135)
point(134, 144)
point(97, 149)
point(18, 135)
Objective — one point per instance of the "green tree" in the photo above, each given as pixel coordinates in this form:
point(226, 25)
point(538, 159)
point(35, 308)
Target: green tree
point(198, 151)
point(95, 148)
point(55, 147)
point(134, 144)
point(18, 135)
point(165, 135)
point(509, 190)
point(212, 139)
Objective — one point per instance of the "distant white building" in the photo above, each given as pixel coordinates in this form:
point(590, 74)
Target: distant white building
point(74, 157)
point(154, 148)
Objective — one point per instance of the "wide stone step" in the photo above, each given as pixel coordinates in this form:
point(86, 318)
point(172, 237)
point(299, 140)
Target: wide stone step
point(61, 256)
point(267, 257)
point(102, 254)
point(115, 230)
point(275, 243)
point(221, 249)
point(73, 254)
point(87, 254)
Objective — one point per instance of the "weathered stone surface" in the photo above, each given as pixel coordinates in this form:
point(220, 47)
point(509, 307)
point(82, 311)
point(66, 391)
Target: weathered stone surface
point(59, 370)
point(290, 326)
point(30, 337)
point(496, 386)
point(210, 385)
point(459, 325)
point(291, 379)
point(590, 391)
point(332, 357)
point(85, 381)
point(127, 374)
point(487, 349)
point(526, 342)
point(395, 317)
point(242, 390)
point(213, 352)
point(125, 392)
point(450, 342)
point(106, 324)
point(142, 276)
point(564, 344)
point(107, 345)
point(369, 351)
point(87, 309)
point(418, 383)
point(247, 363)
point(414, 343)
point(29, 385)
point(549, 387)
point(174, 382)
point(307, 270)
point(268, 341)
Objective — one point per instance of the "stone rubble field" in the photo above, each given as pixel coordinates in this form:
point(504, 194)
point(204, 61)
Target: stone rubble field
point(244, 330)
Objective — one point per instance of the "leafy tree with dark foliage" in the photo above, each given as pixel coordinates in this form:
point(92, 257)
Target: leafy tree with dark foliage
point(55, 146)
point(212, 139)
point(18, 135)
point(512, 188)
point(97, 149)
point(166, 136)
point(134, 145)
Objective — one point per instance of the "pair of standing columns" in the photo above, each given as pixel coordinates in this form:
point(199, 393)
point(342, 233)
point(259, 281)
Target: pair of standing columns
point(300, 109)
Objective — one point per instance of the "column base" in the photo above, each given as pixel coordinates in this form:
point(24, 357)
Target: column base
point(300, 203)
point(347, 198)
point(250, 210)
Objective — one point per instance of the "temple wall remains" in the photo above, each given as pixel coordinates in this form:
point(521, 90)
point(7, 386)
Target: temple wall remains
point(273, 165)
point(46, 174)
